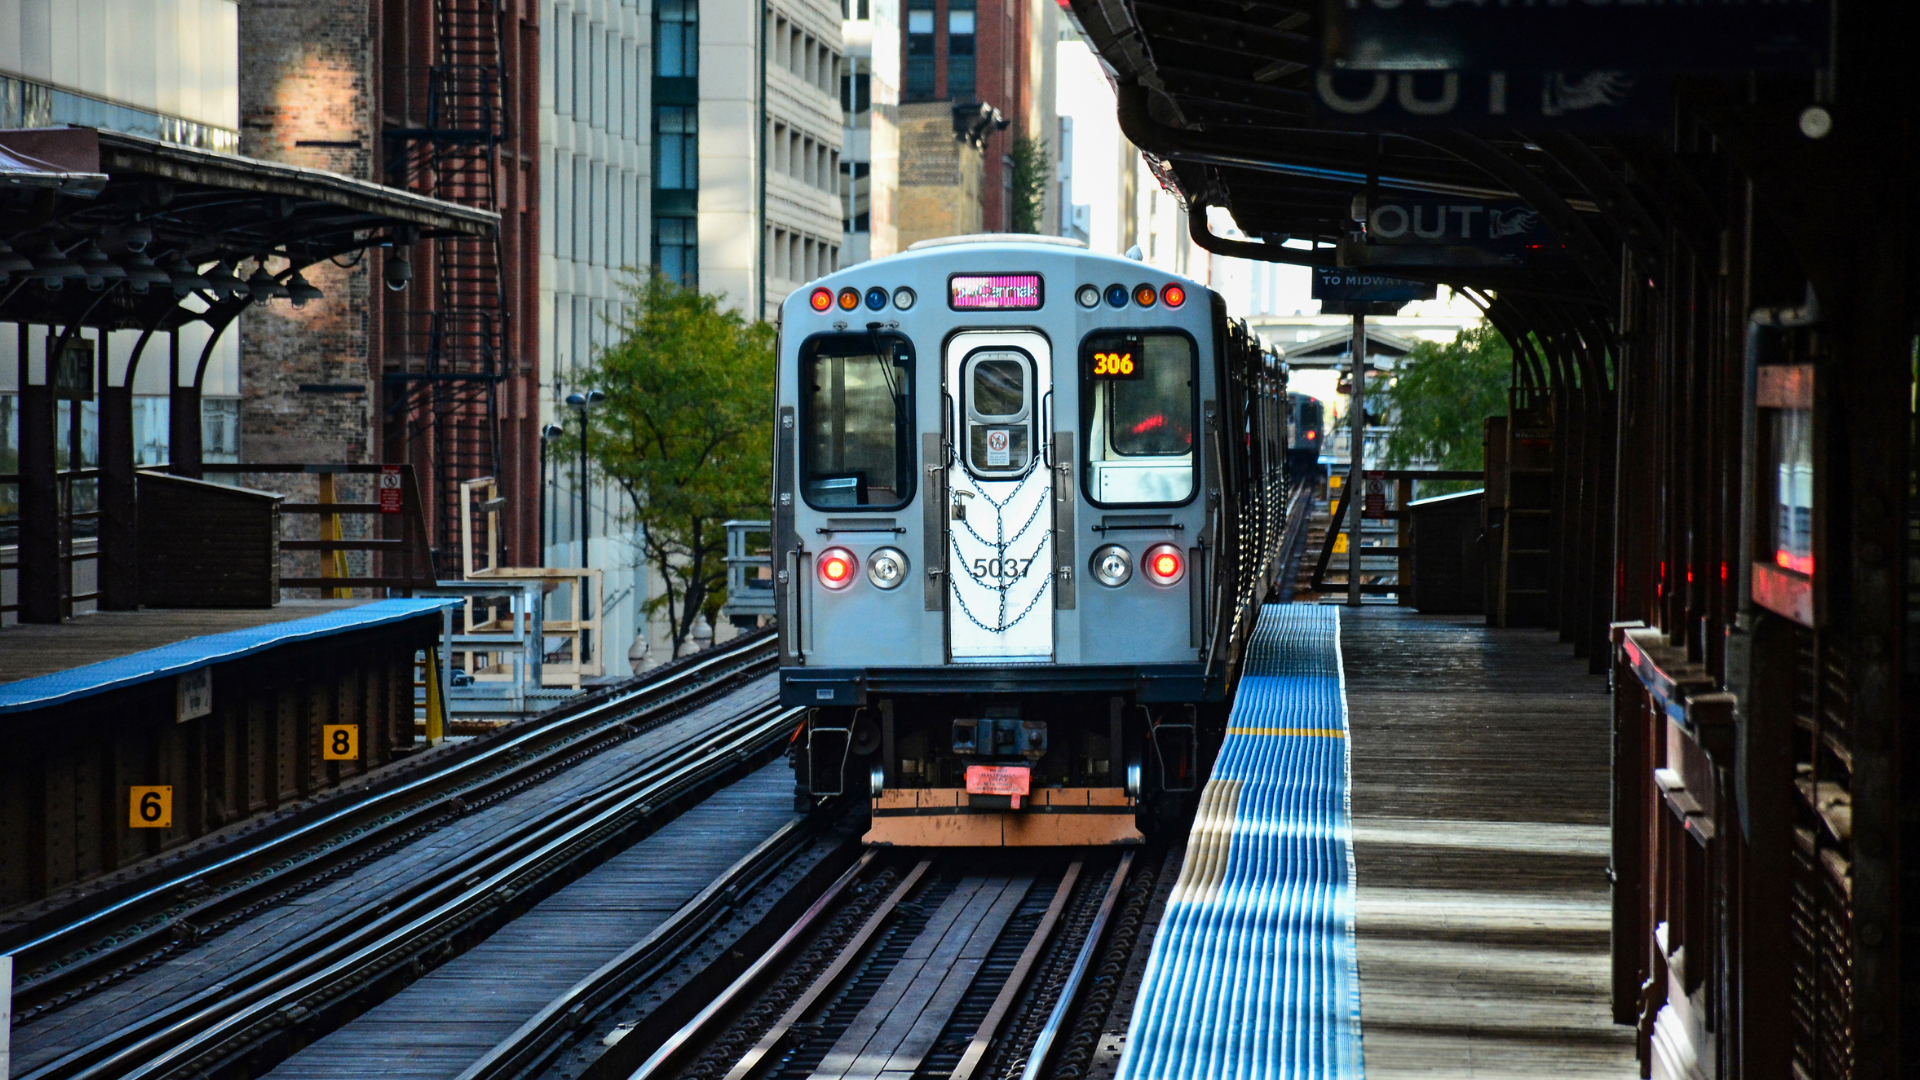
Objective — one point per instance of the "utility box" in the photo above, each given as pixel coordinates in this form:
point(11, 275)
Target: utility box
point(207, 545)
point(1449, 563)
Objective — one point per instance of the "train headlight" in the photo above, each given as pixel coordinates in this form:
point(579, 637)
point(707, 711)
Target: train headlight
point(837, 567)
point(887, 567)
point(1164, 564)
point(1089, 296)
point(822, 299)
point(903, 298)
point(1112, 566)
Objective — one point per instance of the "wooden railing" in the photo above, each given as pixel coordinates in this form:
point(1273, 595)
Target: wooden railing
point(405, 562)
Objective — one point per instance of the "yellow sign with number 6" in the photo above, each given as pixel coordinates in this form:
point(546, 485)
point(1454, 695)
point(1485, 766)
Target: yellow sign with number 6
point(150, 807)
point(340, 742)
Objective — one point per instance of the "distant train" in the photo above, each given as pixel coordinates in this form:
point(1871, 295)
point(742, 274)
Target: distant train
point(1027, 500)
point(1306, 431)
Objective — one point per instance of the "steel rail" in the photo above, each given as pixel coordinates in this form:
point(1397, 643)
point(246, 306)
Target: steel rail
point(531, 1046)
point(223, 1019)
point(1017, 978)
point(1043, 1046)
point(679, 1040)
point(299, 850)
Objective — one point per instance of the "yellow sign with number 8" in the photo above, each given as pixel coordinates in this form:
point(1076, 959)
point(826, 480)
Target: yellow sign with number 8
point(340, 742)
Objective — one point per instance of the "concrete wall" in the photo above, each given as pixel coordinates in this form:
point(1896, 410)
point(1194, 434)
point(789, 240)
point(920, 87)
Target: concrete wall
point(940, 176)
point(805, 128)
point(173, 57)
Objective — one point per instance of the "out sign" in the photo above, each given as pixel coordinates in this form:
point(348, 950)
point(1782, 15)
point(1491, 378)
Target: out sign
point(390, 489)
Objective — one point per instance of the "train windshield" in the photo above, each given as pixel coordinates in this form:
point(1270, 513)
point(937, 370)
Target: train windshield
point(1138, 410)
point(856, 417)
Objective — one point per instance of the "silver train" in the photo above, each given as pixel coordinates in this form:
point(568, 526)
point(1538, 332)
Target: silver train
point(1027, 500)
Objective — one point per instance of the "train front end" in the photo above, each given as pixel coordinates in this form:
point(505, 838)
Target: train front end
point(996, 556)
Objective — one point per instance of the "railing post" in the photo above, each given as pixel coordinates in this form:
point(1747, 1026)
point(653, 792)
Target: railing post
point(332, 561)
point(1403, 539)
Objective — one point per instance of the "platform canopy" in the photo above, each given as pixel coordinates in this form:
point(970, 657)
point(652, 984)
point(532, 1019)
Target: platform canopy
point(109, 230)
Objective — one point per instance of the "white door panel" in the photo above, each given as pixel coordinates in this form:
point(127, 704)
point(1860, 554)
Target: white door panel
point(998, 392)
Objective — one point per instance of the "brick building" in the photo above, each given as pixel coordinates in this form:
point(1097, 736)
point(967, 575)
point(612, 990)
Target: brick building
point(442, 374)
point(993, 52)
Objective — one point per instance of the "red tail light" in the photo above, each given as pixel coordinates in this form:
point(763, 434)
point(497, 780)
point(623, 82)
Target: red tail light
point(1165, 564)
point(837, 568)
point(1173, 296)
point(822, 299)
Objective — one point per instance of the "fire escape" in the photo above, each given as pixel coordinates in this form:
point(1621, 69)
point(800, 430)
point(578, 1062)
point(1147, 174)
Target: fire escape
point(447, 337)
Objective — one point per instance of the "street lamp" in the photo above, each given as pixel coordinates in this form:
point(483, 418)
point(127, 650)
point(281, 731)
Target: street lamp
point(582, 401)
point(549, 433)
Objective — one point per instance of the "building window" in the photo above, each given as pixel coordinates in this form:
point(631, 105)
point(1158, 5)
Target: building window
point(676, 39)
point(856, 94)
point(676, 249)
point(920, 50)
point(676, 148)
point(960, 39)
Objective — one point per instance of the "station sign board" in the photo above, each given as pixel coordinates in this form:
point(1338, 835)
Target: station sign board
point(1588, 36)
point(1586, 100)
point(1438, 222)
point(391, 490)
point(1359, 286)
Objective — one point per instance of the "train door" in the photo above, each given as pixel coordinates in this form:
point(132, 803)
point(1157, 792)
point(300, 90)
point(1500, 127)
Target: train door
point(999, 389)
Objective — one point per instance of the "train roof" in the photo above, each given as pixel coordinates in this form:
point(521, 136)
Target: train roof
point(995, 253)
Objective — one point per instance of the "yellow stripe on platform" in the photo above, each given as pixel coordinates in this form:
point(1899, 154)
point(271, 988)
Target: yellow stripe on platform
point(1317, 732)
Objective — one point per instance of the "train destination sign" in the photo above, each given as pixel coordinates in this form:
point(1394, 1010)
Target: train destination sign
point(1590, 35)
point(994, 292)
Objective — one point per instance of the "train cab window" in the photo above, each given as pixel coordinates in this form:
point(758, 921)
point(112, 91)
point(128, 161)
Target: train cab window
point(856, 418)
point(1137, 406)
point(997, 389)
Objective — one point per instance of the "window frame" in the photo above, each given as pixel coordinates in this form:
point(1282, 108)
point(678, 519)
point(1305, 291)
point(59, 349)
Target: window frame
point(1089, 388)
point(907, 460)
point(1029, 416)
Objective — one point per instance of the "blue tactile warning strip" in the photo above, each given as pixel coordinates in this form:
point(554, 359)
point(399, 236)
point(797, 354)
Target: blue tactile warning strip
point(168, 660)
point(1253, 973)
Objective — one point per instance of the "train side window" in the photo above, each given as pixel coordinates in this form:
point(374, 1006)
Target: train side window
point(856, 419)
point(1139, 416)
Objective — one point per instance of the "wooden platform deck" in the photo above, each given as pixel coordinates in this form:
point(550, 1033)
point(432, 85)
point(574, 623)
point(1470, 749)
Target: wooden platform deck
point(1480, 811)
point(29, 650)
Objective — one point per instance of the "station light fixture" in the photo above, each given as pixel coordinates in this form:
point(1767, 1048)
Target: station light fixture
point(887, 568)
point(849, 299)
point(1089, 296)
point(837, 568)
point(822, 299)
point(876, 298)
point(1145, 295)
point(1164, 564)
point(1173, 295)
point(903, 298)
point(1112, 566)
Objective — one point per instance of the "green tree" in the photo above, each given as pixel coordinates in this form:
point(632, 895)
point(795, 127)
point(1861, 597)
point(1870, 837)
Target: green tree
point(1439, 398)
point(684, 432)
point(1032, 173)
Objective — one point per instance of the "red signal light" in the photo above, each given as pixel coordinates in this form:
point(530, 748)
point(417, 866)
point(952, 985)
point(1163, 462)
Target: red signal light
point(1164, 564)
point(837, 567)
point(1145, 295)
point(822, 299)
point(849, 299)
point(1173, 296)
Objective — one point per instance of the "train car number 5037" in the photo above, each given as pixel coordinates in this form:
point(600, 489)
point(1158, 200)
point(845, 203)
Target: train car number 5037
point(1001, 568)
point(150, 807)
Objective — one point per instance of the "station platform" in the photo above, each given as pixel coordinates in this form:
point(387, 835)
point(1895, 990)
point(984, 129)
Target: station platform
point(1398, 868)
point(134, 733)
